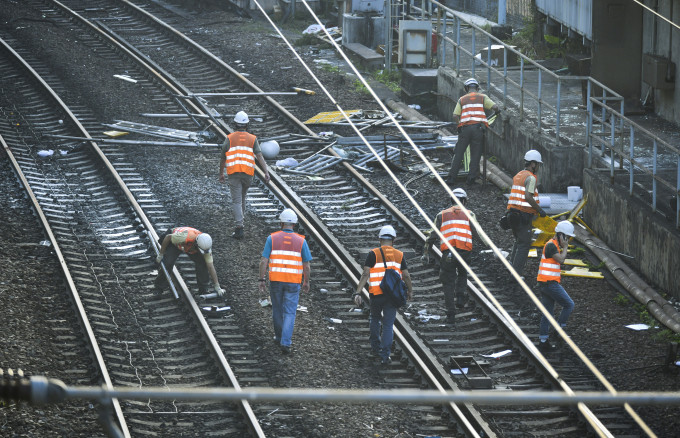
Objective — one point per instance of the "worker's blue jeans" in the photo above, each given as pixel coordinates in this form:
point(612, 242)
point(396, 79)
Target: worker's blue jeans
point(285, 297)
point(552, 292)
point(383, 313)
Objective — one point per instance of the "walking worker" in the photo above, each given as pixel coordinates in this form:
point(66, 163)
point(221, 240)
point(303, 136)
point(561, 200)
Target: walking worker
point(239, 152)
point(454, 224)
point(195, 244)
point(522, 208)
point(383, 312)
point(470, 116)
point(554, 254)
point(288, 257)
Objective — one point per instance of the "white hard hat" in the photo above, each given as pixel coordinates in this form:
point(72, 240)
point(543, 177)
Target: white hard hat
point(288, 216)
point(459, 193)
point(204, 242)
point(533, 155)
point(241, 118)
point(387, 232)
point(565, 227)
point(471, 81)
point(270, 149)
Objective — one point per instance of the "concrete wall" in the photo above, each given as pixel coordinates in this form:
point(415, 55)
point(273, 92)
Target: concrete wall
point(563, 166)
point(484, 8)
point(617, 46)
point(628, 227)
point(660, 38)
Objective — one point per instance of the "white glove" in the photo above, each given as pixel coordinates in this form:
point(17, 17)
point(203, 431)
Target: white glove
point(358, 300)
point(219, 291)
point(159, 257)
point(426, 258)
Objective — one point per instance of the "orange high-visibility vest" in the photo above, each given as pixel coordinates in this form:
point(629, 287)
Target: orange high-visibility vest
point(285, 260)
point(377, 272)
point(240, 156)
point(517, 198)
point(472, 110)
point(455, 228)
point(189, 244)
point(549, 269)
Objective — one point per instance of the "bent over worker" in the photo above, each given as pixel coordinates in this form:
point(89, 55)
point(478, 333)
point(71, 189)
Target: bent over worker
point(288, 257)
point(454, 224)
point(549, 279)
point(383, 312)
point(196, 245)
point(239, 152)
point(470, 116)
point(523, 207)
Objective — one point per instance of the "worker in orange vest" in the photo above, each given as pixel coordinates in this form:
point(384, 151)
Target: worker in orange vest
point(549, 279)
point(383, 312)
point(523, 207)
point(470, 116)
point(239, 152)
point(287, 255)
point(454, 225)
point(196, 245)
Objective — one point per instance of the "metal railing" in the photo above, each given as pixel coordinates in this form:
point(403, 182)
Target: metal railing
point(539, 94)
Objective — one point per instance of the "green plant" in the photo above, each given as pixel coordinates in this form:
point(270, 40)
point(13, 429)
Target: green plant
point(359, 87)
point(621, 300)
point(666, 335)
point(330, 68)
point(390, 78)
point(576, 250)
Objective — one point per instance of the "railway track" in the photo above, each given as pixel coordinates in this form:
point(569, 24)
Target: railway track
point(348, 204)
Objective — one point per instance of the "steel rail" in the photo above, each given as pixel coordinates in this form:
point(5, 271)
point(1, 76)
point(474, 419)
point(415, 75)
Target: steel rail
point(403, 219)
point(80, 310)
point(222, 363)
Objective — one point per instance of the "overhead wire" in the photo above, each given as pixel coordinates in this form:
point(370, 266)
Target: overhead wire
point(602, 431)
point(657, 14)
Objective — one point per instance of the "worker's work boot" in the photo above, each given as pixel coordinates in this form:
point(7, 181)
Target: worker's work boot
point(238, 233)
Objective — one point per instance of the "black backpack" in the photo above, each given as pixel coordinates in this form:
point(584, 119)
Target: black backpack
point(392, 285)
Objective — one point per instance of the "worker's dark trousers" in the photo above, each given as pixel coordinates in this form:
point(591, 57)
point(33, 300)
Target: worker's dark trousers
point(473, 136)
point(453, 276)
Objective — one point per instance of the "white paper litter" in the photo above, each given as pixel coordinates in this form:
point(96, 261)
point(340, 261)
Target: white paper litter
point(440, 340)
point(125, 78)
point(301, 308)
point(45, 153)
point(638, 327)
point(46, 243)
point(335, 320)
point(63, 152)
point(217, 309)
point(499, 354)
point(414, 106)
point(288, 162)
point(459, 372)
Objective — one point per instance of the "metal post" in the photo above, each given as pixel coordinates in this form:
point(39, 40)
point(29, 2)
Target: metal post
point(632, 167)
point(612, 140)
point(488, 65)
point(443, 43)
point(654, 163)
point(388, 35)
point(457, 44)
point(557, 121)
point(604, 115)
point(473, 52)
point(521, 88)
point(501, 12)
point(589, 127)
point(540, 109)
point(677, 196)
point(505, 75)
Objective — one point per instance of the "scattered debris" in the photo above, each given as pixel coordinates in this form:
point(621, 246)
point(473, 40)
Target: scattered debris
point(46, 153)
point(126, 78)
point(498, 355)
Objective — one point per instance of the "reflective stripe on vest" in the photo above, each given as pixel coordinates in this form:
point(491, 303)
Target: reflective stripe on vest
point(240, 156)
point(549, 269)
point(472, 110)
point(456, 229)
point(189, 244)
point(517, 198)
point(377, 272)
point(285, 260)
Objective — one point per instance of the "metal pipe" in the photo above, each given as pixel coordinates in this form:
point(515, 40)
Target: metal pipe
point(632, 167)
point(540, 102)
point(521, 89)
point(473, 50)
point(488, 64)
point(557, 120)
point(443, 41)
point(654, 169)
point(589, 126)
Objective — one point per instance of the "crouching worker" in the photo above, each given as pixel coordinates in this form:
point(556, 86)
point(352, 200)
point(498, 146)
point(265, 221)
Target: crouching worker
point(383, 312)
point(197, 246)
